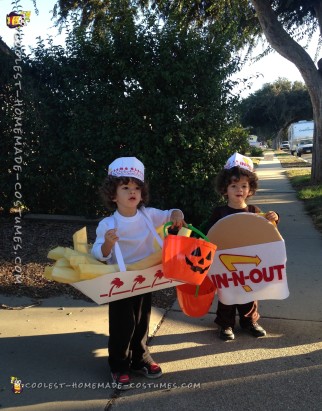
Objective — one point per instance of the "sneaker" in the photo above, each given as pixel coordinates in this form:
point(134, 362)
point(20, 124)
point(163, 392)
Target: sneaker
point(255, 330)
point(152, 370)
point(227, 333)
point(121, 380)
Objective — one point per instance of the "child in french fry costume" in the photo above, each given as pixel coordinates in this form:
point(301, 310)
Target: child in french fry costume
point(237, 182)
point(129, 227)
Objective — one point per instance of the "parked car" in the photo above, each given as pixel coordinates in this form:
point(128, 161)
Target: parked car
point(285, 145)
point(304, 147)
point(298, 132)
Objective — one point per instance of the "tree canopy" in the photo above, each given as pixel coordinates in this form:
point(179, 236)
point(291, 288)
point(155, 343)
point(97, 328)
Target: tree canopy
point(142, 89)
point(283, 24)
point(270, 110)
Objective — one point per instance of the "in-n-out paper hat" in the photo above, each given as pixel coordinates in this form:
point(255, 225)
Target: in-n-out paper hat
point(127, 167)
point(241, 161)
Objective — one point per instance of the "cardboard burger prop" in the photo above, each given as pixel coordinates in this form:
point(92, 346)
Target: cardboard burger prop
point(250, 262)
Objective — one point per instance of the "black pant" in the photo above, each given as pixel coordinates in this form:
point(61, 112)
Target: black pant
point(129, 326)
point(226, 314)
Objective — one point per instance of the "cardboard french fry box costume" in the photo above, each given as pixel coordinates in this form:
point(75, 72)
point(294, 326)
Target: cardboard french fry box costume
point(124, 284)
point(102, 282)
point(250, 261)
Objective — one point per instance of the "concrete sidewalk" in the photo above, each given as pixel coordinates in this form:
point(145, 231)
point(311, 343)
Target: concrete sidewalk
point(60, 354)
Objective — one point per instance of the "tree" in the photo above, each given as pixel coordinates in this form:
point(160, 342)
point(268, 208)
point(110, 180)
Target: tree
point(7, 98)
point(270, 110)
point(156, 91)
point(277, 20)
point(282, 22)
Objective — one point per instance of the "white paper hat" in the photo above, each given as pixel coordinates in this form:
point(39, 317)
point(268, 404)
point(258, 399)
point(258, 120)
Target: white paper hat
point(241, 161)
point(127, 167)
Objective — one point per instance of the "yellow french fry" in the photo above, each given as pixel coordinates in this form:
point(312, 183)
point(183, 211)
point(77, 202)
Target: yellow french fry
point(184, 231)
point(65, 275)
point(77, 265)
point(56, 253)
point(147, 262)
point(80, 241)
point(71, 253)
point(62, 262)
point(48, 272)
point(89, 271)
point(75, 260)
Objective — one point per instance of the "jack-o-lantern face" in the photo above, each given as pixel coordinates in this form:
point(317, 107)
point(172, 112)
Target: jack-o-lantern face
point(197, 262)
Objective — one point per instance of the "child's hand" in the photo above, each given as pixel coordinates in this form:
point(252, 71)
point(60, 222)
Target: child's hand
point(271, 216)
point(111, 237)
point(177, 219)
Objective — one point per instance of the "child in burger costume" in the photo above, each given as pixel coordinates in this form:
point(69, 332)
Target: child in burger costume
point(132, 227)
point(237, 182)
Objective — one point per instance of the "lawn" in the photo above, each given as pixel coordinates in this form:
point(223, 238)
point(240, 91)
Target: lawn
point(299, 174)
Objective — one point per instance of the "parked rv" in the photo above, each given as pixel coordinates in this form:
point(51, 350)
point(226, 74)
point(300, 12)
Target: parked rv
point(298, 132)
point(252, 141)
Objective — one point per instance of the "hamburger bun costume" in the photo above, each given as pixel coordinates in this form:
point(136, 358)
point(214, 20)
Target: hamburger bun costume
point(250, 259)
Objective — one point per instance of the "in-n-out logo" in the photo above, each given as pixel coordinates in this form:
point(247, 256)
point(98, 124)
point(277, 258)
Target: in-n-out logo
point(239, 277)
point(256, 272)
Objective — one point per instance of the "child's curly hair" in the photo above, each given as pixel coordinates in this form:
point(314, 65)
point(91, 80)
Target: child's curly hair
point(109, 187)
point(227, 176)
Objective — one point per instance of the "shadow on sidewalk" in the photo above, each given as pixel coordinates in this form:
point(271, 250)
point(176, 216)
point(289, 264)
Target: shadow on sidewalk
point(55, 367)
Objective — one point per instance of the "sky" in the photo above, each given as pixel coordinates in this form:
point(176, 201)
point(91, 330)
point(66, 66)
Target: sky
point(39, 25)
point(269, 68)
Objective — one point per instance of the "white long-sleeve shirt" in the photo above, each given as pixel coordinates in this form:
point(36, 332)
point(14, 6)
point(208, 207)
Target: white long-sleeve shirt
point(135, 237)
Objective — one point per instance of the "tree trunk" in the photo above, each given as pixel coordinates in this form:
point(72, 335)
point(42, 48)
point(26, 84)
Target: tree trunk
point(283, 43)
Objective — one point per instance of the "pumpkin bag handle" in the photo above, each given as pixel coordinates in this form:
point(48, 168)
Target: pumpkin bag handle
point(189, 226)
